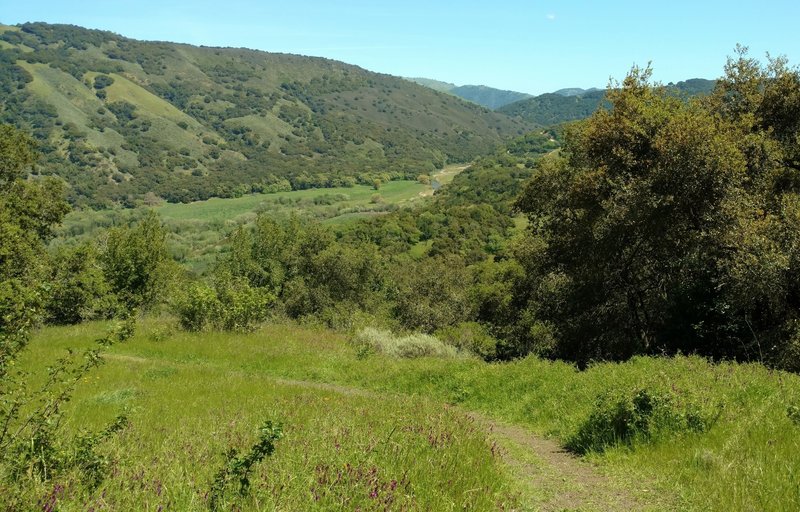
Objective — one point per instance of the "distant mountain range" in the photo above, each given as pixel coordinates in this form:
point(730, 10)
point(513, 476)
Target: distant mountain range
point(575, 91)
point(568, 104)
point(489, 97)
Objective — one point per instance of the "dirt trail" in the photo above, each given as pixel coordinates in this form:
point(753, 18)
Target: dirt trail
point(557, 480)
point(553, 479)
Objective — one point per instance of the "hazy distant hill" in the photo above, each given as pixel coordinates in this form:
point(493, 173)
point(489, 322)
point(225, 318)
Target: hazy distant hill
point(436, 85)
point(117, 118)
point(553, 108)
point(563, 106)
point(575, 91)
point(489, 97)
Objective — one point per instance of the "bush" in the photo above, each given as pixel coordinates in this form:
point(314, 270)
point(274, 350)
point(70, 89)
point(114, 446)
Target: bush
point(410, 346)
point(471, 337)
point(102, 81)
point(78, 289)
point(136, 262)
point(642, 416)
point(433, 294)
point(231, 306)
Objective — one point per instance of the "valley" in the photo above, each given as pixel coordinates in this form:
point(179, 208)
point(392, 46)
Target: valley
point(233, 279)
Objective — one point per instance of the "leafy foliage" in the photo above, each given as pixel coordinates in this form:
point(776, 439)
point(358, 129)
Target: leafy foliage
point(232, 305)
point(667, 225)
point(136, 262)
point(642, 416)
point(78, 290)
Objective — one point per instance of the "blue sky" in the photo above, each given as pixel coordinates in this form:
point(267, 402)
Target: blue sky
point(531, 46)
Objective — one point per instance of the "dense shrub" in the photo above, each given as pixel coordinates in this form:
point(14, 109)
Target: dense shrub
point(433, 294)
point(231, 306)
point(470, 337)
point(78, 290)
point(668, 226)
point(622, 417)
point(136, 262)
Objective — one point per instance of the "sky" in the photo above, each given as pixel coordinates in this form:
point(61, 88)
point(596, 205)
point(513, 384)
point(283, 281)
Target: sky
point(528, 46)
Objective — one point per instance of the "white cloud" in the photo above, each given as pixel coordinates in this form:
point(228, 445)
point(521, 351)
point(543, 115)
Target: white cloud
point(551, 16)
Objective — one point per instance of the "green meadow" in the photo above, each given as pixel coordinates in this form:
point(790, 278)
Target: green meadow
point(198, 229)
point(365, 431)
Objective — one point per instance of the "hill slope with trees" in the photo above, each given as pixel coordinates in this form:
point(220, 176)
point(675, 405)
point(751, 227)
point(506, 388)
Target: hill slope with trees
point(117, 118)
point(573, 104)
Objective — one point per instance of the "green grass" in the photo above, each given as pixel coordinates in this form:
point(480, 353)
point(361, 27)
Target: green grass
point(189, 402)
point(203, 392)
point(198, 229)
point(395, 192)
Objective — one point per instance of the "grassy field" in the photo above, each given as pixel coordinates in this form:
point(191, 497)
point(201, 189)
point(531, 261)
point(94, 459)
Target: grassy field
point(190, 396)
point(197, 229)
point(393, 192)
point(341, 449)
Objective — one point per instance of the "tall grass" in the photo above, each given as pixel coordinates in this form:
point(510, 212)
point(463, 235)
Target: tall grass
point(191, 399)
point(203, 393)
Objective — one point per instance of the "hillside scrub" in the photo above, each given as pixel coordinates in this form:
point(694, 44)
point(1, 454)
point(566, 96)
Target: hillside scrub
point(119, 119)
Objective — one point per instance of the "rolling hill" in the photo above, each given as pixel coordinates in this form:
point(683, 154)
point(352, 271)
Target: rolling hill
point(119, 118)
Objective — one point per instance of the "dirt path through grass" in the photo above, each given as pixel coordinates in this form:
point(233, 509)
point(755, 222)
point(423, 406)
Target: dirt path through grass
point(555, 479)
point(550, 478)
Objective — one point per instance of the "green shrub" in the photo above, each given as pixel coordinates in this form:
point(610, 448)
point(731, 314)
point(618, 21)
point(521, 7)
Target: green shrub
point(78, 290)
point(136, 262)
point(642, 416)
point(238, 468)
point(102, 81)
point(232, 306)
point(470, 337)
point(410, 346)
point(197, 309)
point(242, 306)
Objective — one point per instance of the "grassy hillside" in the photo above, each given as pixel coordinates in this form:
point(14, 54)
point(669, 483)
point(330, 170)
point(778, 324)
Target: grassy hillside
point(118, 118)
point(396, 419)
point(436, 85)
